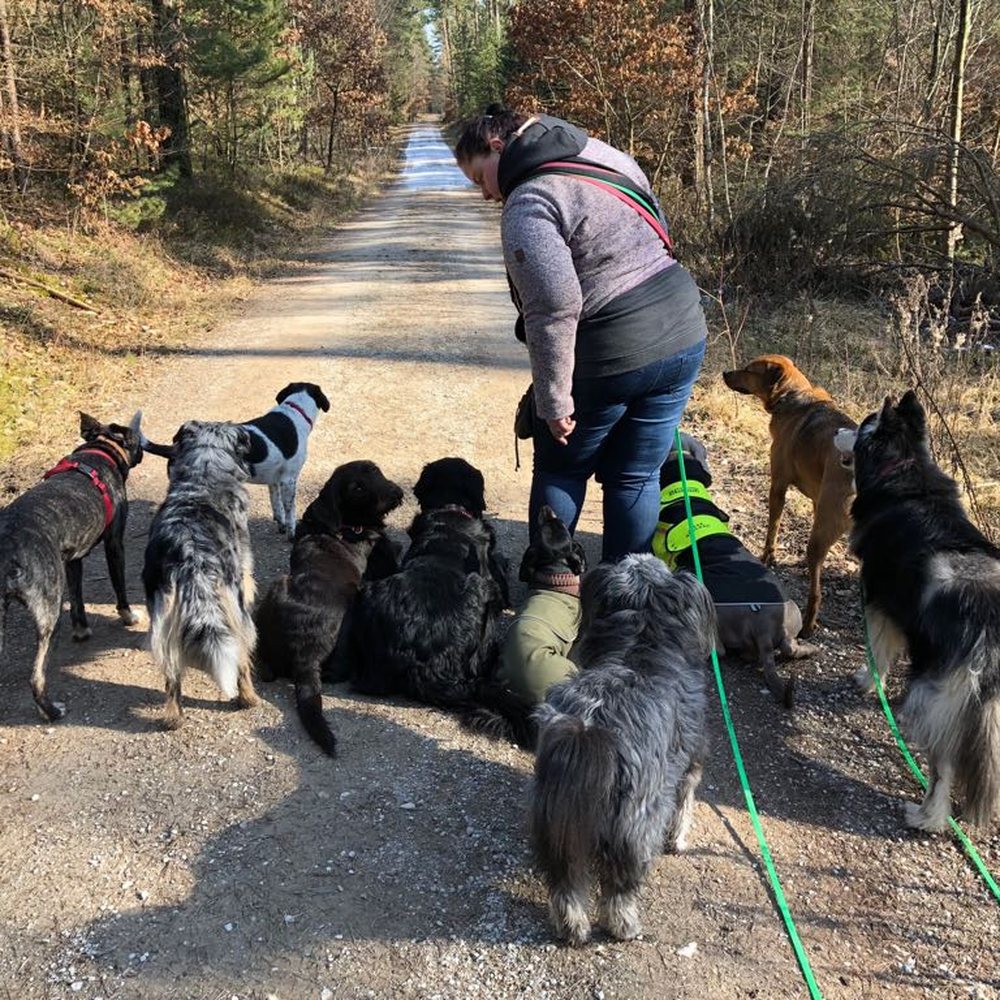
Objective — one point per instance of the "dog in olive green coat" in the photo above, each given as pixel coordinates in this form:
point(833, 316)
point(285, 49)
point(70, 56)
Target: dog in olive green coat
point(536, 649)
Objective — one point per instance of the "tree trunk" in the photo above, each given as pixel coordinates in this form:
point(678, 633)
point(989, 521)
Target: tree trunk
point(954, 231)
point(12, 135)
point(170, 86)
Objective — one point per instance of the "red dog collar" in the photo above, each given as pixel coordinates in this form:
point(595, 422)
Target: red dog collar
point(68, 465)
point(295, 406)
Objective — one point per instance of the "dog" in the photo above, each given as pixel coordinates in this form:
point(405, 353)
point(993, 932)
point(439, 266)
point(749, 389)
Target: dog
point(537, 644)
point(278, 442)
point(756, 618)
point(622, 743)
point(299, 620)
point(932, 590)
point(804, 419)
point(430, 631)
point(198, 567)
point(46, 532)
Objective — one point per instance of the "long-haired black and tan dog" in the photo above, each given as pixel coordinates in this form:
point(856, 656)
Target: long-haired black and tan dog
point(430, 631)
point(299, 620)
point(198, 570)
point(46, 532)
point(932, 589)
point(621, 744)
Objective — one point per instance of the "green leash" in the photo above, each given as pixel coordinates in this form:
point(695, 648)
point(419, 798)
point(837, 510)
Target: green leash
point(779, 895)
point(970, 850)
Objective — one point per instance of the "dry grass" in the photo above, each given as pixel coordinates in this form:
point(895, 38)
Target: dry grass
point(156, 290)
point(861, 356)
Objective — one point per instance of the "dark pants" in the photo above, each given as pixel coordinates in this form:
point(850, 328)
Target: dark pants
point(624, 428)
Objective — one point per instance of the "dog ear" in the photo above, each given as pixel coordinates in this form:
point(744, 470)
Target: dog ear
point(319, 397)
point(286, 392)
point(577, 559)
point(912, 414)
point(89, 427)
point(529, 561)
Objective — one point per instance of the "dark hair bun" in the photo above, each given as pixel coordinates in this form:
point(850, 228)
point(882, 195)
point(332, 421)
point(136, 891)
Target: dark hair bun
point(496, 109)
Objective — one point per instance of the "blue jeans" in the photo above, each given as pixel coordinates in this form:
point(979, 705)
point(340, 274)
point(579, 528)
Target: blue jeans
point(624, 429)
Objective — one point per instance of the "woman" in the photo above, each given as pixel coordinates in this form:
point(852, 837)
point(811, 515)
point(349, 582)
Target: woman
point(614, 325)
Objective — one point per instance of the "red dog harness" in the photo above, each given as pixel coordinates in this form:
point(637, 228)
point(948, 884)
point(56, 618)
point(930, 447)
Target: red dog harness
point(69, 465)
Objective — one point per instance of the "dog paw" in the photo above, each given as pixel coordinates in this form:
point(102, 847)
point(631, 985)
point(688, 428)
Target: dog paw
point(51, 711)
point(130, 617)
point(863, 679)
point(917, 819)
point(80, 633)
point(621, 918)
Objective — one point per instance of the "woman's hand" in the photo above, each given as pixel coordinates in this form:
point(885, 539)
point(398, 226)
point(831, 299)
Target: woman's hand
point(561, 428)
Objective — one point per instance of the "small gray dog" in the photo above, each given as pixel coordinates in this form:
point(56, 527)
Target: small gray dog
point(621, 744)
point(198, 570)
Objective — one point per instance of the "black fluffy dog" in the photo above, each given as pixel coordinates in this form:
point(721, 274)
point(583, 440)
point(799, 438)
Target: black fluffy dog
point(430, 630)
point(300, 618)
point(45, 534)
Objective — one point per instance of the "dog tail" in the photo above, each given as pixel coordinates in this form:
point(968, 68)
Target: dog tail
point(575, 775)
point(309, 701)
point(217, 639)
point(981, 766)
point(502, 715)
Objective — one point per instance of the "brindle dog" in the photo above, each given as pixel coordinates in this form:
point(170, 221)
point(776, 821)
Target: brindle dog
point(46, 532)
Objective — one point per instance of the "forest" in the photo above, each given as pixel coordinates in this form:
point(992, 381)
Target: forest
point(805, 153)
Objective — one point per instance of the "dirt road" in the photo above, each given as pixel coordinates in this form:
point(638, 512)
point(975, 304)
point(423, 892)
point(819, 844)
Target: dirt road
point(232, 860)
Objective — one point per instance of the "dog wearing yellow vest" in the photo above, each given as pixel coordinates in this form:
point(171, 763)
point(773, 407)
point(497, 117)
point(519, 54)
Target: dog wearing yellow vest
point(757, 620)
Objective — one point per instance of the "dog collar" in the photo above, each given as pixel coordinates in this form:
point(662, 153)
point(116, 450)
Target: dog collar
point(295, 406)
point(561, 583)
point(352, 532)
point(69, 465)
point(454, 508)
point(115, 447)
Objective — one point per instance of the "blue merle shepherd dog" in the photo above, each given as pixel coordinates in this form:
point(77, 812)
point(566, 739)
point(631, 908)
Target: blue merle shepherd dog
point(621, 744)
point(932, 590)
point(46, 532)
point(198, 570)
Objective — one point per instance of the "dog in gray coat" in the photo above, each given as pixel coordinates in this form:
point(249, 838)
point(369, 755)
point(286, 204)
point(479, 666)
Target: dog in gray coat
point(198, 569)
point(757, 619)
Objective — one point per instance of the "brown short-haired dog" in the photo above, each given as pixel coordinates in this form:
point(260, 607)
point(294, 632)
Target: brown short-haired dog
point(804, 420)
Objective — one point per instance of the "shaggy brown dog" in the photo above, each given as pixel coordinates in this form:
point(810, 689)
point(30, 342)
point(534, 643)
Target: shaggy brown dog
point(804, 420)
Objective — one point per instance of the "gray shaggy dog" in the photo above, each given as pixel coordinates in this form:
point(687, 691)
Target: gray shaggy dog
point(198, 570)
point(621, 744)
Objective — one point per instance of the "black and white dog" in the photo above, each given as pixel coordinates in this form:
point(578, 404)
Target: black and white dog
point(621, 744)
point(932, 590)
point(300, 618)
point(46, 532)
point(278, 442)
point(198, 570)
